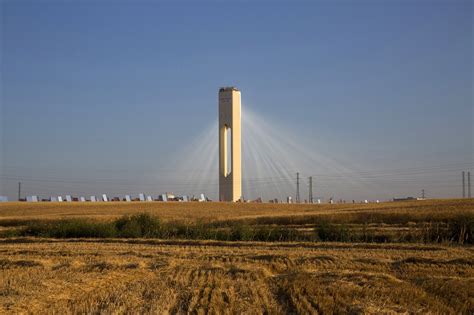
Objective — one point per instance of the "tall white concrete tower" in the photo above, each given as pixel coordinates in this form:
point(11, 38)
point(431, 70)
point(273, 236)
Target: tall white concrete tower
point(230, 154)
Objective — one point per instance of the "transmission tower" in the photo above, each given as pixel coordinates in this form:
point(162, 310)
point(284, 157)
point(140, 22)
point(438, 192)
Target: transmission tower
point(297, 188)
point(463, 186)
point(468, 184)
point(310, 197)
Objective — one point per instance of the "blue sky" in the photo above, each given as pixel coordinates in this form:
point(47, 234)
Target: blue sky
point(104, 92)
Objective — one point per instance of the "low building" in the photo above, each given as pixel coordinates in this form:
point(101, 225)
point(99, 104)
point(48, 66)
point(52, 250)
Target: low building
point(405, 199)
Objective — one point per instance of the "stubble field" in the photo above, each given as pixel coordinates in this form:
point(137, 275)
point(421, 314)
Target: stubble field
point(217, 211)
point(158, 276)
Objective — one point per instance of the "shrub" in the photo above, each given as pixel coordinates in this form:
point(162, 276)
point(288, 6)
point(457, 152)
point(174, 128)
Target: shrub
point(129, 229)
point(326, 231)
point(71, 229)
point(241, 232)
point(138, 225)
point(461, 230)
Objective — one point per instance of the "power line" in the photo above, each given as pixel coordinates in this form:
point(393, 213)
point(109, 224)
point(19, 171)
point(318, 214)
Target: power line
point(281, 183)
point(362, 175)
point(190, 183)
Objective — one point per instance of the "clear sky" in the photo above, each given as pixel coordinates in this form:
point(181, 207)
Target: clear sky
point(98, 95)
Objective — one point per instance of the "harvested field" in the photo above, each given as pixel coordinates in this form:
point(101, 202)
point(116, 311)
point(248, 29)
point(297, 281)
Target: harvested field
point(406, 261)
point(217, 211)
point(151, 276)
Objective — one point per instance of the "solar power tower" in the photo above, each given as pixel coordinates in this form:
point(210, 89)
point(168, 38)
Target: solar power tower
point(230, 155)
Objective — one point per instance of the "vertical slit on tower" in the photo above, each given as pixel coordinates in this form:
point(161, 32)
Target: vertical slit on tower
point(228, 148)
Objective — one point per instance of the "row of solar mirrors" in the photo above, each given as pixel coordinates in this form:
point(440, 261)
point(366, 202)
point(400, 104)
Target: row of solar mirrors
point(105, 198)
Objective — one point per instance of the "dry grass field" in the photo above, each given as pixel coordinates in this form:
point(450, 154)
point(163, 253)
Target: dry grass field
point(179, 276)
point(216, 211)
point(158, 277)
